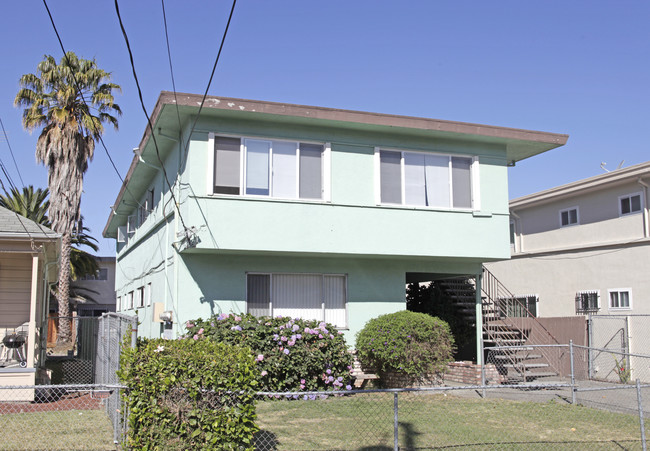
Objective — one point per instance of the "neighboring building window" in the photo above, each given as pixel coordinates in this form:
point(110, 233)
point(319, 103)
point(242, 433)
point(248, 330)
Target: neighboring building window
point(118, 304)
point(273, 168)
point(629, 204)
point(101, 274)
point(569, 217)
point(129, 300)
point(512, 233)
point(310, 296)
point(587, 301)
point(425, 179)
point(520, 305)
point(620, 299)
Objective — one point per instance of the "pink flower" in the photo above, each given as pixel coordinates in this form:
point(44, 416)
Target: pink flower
point(260, 357)
point(196, 337)
point(237, 318)
point(200, 331)
point(264, 373)
point(302, 381)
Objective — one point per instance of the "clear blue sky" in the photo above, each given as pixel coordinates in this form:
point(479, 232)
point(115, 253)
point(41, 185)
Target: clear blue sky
point(575, 67)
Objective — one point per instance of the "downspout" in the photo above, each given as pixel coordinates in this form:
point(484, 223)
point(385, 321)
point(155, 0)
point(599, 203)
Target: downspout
point(646, 226)
point(519, 236)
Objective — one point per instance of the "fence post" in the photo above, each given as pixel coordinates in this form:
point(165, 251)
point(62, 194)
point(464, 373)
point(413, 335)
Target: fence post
point(573, 375)
point(396, 422)
point(134, 333)
point(638, 398)
point(590, 344)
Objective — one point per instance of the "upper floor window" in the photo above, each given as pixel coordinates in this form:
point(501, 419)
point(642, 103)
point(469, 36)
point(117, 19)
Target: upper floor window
point(629, 204)
point(424, 179)
point(569, 217)
point(101, 274)
point(620, 298)
point(587, 301)
point(273, 168)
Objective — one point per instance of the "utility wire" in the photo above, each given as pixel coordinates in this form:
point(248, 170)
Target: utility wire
point(144, 109)
point(11, 151)
point(171, 70)
point(80, 91)
point(214, 68)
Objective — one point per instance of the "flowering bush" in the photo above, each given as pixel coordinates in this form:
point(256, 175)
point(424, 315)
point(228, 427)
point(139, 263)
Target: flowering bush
point(405, 342)
point(291, 354)
point(187, 394)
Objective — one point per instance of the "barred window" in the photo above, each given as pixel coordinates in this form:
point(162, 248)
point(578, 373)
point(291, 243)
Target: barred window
point(587, 301)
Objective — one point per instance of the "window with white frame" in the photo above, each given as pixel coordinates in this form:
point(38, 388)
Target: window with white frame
point(118, 304)
point(523, 305)
point(629, 204)
point(426, 179)
point(620, 298)
point(139, 297)
point(569, 216)
point(147, 294)
point(272, 168)
point(146, 207)
point(310, 296)
point(129, 300)
point(587, 301)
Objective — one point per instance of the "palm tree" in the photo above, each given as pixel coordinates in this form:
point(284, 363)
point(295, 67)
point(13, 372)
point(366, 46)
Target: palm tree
point(30, 204)
point(71, 100)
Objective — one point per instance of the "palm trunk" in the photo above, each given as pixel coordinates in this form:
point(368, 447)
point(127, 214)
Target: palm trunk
point(63, 291)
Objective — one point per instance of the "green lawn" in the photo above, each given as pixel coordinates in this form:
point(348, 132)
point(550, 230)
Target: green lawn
point(69, 429)
point(427, 421)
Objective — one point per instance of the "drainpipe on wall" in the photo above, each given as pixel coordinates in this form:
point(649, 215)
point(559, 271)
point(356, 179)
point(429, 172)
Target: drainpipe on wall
point(646, 226)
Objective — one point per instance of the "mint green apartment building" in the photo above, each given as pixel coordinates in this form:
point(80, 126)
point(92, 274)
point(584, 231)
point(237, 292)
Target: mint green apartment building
point(301, 211)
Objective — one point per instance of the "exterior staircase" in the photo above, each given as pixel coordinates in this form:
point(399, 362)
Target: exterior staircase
point(509, 342)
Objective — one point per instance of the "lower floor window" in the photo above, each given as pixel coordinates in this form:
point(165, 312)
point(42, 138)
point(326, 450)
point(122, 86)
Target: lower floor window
point(321, 297)
point(587, 301)
point(520, 306)
point(620, 299)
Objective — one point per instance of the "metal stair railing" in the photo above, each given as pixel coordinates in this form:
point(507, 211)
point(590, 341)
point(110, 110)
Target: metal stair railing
point(504, 330)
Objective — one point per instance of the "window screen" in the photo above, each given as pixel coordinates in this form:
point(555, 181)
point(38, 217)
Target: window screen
point(226, 165)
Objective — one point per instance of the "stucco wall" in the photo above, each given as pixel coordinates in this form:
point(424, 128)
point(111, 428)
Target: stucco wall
point(558, 277)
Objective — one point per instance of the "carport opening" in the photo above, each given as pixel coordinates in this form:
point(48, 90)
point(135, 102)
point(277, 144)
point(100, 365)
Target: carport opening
point(450, 297)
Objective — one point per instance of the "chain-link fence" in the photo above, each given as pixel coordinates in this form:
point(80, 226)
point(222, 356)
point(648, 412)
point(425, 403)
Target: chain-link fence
point(531, 416)
point(616, 336)
point(60, 417)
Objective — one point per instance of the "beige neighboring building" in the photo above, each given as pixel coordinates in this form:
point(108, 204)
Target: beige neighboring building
point(582, 247)
point(29, 256)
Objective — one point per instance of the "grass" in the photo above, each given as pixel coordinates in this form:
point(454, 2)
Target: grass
point(70, 429)
point(429, 421)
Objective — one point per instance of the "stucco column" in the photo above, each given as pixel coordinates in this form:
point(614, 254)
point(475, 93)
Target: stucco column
point(479, 320)
point(31, 334)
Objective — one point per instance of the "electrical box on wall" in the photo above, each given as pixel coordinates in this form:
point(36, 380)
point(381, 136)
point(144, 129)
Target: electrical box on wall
point(158, 308)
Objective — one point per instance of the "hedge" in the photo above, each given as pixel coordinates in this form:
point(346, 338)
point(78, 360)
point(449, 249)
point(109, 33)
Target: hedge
point(189, 394)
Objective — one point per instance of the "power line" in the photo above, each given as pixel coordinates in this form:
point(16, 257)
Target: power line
point(80, 91)
point(144, 109)
point(11, 151)
point(171, 68)
point(214, 68)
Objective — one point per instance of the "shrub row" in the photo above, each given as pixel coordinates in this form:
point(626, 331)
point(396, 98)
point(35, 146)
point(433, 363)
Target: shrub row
point(291, 354)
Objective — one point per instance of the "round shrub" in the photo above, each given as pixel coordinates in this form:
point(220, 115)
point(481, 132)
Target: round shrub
point(405, 342)
point(291, 354)
point(189, 394)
